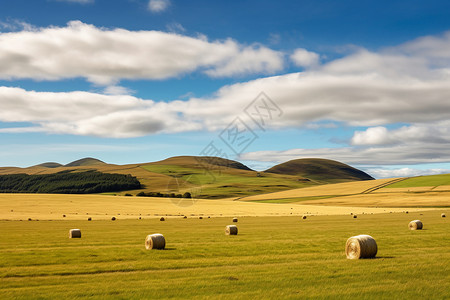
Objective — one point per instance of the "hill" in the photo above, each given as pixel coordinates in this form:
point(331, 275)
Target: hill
point(88, 161)
point(325, 170)
point(203, 161)
point(49, 165)
point(203, 177)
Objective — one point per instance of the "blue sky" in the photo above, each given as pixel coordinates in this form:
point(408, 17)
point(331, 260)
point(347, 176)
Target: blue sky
point(129, 81)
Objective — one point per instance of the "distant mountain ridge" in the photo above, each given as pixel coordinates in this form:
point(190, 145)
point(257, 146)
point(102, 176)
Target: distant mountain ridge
point(320, 169)
point(50, 165)
point(88, 161)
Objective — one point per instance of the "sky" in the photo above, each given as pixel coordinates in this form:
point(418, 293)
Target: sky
point(366, 83)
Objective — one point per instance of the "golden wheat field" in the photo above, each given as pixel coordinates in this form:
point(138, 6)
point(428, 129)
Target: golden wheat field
point(79, 207)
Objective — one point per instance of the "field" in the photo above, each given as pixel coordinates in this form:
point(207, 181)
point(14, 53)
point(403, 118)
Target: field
point(271, 257)
point(425, 191)
point(277, 253)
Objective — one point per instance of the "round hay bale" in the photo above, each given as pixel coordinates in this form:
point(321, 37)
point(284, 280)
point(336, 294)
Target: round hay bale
point(64, 216)
point(361, 246)
point(140, 218)
point(303, 217)
point(415, 225)
point(185, 217)
point(231, 230)
point(155, 241)
point(89, 219)
point(74, 233)
point(355, 216)
point(162, 219)
point(29, 219)
point(200, 218)
point(113, 218)
point(235, 220)
point(442, 215)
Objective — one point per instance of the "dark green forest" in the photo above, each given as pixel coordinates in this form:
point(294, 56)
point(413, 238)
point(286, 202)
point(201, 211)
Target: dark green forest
point(67, 182)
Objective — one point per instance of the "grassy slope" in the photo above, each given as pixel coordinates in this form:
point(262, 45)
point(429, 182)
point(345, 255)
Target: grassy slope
point(272, 257)
point(423, 181)
point(367, 193)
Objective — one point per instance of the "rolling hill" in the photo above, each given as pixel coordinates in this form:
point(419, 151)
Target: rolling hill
point(88, 161)
point(329, 171)
point(211, 177)
point(50, 165)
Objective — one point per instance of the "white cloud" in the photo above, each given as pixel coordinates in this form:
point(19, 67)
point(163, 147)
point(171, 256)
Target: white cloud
point(372, 136)
point(407, 84)
point(16, 25)
point(304, 58)
point(433, 133)
point(175, 27)
point(117, 90)
point(105, 56)
point(404, 172)
point(250, 60)
point(157, 6)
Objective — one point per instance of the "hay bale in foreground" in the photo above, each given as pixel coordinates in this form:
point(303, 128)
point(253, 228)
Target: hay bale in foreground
point(361, 246)
point(74, 233)
point(355, 216)
point(231, 230)
point(443, 216)
point(162, 219)
point(303, 217)
point(185, 217)
point(113, 218)
point(415, 225)
point(200, 218)
point(235, 220)
point(155, 241)
point(89, 219)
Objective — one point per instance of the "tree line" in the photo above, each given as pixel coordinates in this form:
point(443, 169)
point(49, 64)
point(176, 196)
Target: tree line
point(68, 182)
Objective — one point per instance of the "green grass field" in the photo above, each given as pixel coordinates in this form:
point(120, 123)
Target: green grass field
point(227, 183)
point(432, 180)
point(272, 257)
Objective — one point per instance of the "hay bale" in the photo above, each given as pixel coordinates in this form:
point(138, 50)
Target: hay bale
point(155, 241)
point(64, 216)
point(231, 230)
point(442, 215)
point(415, 225)
point(303, 217)
point(355, 216)
point(113, 218)
point(89, 219)
point(74, 233)
point(29, 219)
point(361, 246)
point(235, 220)
point(162, 219)
point(200, 218)
point(185, 217)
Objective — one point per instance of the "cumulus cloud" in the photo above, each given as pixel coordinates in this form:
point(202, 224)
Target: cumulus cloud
point(157, 6)
point(404, 172)
point(408, 84)
point(84, 113)
point(434, 133)
point(105, 56)
point(304, 58)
